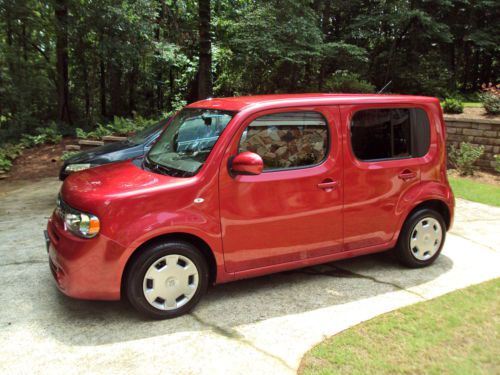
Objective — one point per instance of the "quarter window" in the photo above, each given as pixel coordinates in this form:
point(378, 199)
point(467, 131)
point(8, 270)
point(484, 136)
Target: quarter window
point(390, 133)
point(287, 140)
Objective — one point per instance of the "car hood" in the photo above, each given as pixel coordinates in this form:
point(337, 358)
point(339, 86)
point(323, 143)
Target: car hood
point(93, 189)
point(90, 155)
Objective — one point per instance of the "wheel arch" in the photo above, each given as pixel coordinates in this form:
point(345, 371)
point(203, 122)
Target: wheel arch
point(177, 236)
point(437, 205)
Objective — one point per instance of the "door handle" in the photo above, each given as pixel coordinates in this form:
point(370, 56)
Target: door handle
point(407, 175)
point(328, 185)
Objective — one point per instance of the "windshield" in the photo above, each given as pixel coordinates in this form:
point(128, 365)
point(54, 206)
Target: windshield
point(186, 143)
point(141, 136)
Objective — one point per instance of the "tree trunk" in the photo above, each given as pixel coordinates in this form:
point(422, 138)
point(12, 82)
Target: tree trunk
point(132, 81)
point(115, 89)
point(86, 87)
point(102, 78)
point(205, 64)
point(325, 25)
point(25, 47)
point(159, 67)
point(61, 15)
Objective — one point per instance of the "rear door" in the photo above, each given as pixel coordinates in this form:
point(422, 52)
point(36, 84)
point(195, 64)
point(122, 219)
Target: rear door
point(293, 210)
point(385, 147)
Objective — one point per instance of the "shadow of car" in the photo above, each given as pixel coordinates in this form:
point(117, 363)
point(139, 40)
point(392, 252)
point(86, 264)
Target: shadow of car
point(136, 145)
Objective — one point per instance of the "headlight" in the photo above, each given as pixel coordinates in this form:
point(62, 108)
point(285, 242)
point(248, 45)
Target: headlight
point(77, 167)
point(83, 225)
point(79, 223)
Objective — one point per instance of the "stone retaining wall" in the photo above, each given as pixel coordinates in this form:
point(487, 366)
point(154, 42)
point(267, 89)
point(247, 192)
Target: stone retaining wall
point(482, 132)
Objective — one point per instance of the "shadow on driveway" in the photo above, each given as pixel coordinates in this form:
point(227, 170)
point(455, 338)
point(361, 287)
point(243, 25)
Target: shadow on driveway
point(29, 299)
point(230, 305)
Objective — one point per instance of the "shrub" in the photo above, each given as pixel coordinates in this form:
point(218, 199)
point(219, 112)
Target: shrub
point(5, 163)
point(464, 157)
point(451, 105)
point(119, 126)
point(491, 103)
point(7, 155)
point(68, 154)
point(48, 134)
point(347, 82)
point(497, 163)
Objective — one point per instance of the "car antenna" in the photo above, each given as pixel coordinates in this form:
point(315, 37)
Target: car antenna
point(383, 88)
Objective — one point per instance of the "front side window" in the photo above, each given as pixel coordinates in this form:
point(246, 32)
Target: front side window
point(287, 140)
point(187, 141)
point(390, 133)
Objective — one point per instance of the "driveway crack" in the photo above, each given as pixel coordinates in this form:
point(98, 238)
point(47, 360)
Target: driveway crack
point(474, 242)
point(24, 262)
point(335, 271)
point(232, 334)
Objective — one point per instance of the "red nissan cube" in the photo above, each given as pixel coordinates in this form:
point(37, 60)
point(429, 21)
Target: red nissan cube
point(247, 186)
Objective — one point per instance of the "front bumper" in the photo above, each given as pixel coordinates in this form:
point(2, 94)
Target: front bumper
point(84, 268)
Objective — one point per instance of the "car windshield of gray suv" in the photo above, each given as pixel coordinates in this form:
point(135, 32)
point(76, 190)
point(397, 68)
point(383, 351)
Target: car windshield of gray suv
point(187, 141)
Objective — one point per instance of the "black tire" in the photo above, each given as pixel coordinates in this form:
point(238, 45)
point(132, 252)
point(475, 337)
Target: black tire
point(141, 264)
point(403, 250)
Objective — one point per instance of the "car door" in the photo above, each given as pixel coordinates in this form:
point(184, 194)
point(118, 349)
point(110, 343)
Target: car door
point(293, 210)
point(383, 155)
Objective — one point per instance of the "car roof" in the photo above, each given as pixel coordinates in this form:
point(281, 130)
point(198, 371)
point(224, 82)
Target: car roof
point(239, 103)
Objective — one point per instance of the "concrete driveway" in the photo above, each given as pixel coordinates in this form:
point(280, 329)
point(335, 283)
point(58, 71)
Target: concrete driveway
point(256, 326)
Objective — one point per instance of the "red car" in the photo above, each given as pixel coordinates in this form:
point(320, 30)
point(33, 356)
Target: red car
point(247, 186)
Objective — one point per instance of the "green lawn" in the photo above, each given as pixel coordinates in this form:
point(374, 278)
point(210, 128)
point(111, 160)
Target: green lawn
point(475, 191)
point(458, 333)
point(473, 104)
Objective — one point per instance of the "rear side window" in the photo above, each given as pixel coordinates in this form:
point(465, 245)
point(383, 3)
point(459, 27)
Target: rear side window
point(390, 133)
point(287, 140)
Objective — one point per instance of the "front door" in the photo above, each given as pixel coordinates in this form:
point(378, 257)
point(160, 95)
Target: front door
point(293, 210)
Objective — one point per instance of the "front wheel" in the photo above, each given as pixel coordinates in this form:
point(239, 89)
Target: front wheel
point(421, 238)
point(167, 279)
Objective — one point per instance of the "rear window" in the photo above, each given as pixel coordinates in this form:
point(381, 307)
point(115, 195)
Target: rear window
point(390, 133)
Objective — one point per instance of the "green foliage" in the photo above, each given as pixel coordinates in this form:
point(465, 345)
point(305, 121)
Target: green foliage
point(452, 105)
point(68, 154)
point(464, 157)
point(48, 134)
point(119, 126)
point(8, 153)
point(347, 82)
point(491, 103)
point(497, 163)
point(147, 62)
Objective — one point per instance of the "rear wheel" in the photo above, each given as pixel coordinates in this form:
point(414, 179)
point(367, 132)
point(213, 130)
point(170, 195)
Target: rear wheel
point(167, 279)
point(421, 238)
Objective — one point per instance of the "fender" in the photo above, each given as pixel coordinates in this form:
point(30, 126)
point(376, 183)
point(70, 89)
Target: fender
point(425, 191)
point(213, 242)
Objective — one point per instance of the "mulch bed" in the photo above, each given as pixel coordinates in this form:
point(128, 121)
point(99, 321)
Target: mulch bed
point(473, 114)
point(39, 161)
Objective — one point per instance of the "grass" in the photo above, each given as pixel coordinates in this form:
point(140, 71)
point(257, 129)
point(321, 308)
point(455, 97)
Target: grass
point(454, 334)
point(475, 191)
point(472, 104)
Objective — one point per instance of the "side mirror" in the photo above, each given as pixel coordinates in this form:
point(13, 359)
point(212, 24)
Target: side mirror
point(247, 163)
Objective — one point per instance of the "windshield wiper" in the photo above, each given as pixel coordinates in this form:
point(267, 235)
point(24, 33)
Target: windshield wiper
point(162, 169)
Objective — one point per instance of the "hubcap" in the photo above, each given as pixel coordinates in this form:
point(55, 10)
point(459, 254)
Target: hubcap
point(170, 282)
point(426, 238)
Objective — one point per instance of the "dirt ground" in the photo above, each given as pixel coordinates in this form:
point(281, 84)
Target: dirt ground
point(474, 114)
point(479, 176)
point(39, 161)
